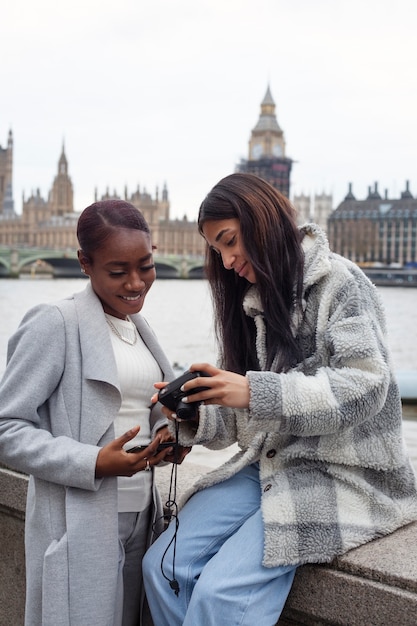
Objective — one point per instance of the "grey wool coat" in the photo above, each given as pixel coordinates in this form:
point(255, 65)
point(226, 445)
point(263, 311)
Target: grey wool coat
point(58, 399)
point(327, 434)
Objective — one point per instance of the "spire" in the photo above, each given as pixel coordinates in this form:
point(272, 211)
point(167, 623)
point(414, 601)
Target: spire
point(374, 195)
point(407, 193)
point(350, 195)
point(165, 192)
point(63, 163)
point(267, 119)
point(6, 173)
point(268, 99)
point(61, 193)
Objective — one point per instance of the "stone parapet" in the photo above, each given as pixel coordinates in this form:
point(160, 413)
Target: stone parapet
point(13, 488)
point(374, 585)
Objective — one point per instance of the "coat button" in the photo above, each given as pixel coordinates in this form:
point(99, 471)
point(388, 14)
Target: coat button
point(271, 453)
point(267, 487)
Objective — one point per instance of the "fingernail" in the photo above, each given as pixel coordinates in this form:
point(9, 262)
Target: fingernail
point(182, 388)
point(184, 400)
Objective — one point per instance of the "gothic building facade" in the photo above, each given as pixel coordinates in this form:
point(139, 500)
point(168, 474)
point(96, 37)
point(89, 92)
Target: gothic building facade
point(51, 222)
point(316, 208)
point(45, 223)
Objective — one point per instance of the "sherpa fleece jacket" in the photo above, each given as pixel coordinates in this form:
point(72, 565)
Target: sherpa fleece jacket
point(327, 434)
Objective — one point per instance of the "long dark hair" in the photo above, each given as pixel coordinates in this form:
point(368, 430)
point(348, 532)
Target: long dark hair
point(273, 243)
point(99, 220)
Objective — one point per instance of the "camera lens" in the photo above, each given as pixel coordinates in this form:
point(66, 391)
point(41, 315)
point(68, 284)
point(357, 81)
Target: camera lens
point(186, 411)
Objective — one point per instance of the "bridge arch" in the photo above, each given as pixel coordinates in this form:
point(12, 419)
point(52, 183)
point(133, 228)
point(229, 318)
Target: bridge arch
point(64, 263)
point(196, 271)
point(166, 270)
point(4, 267)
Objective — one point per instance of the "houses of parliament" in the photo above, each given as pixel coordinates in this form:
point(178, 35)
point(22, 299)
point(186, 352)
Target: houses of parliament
point(375, 231)
point(51, 222)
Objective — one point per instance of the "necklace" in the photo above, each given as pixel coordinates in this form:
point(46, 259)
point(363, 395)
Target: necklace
point(115, 330)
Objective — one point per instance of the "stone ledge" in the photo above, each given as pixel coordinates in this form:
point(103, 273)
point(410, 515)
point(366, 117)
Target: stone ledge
point(13, 488)
point(374, 585)
point(325, 596)
point(391, 560)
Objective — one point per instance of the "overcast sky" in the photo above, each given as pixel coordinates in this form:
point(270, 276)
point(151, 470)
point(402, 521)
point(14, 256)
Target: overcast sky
point(167, 91)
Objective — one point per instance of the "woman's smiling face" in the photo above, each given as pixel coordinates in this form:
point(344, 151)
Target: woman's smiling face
point(122, 271)
point(224, 236)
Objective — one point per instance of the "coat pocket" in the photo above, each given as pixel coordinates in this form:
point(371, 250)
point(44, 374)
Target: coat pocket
point(55, 587)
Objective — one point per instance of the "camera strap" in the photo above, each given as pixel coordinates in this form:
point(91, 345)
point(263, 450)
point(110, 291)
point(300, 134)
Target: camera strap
point(171, 516)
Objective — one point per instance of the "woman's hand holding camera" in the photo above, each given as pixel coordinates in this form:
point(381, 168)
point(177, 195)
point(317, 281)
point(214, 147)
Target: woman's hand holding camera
point(216, 387)
point(224, 388)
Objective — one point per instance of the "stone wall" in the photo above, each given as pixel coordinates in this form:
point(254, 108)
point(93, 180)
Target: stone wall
point(13, 487)
point(374, 585)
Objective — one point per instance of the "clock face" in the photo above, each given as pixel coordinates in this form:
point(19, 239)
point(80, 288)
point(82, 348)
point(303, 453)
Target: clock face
point(257, 150)
point(277, 150)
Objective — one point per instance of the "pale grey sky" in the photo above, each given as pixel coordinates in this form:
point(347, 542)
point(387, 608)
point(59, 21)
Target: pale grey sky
point(153, 91)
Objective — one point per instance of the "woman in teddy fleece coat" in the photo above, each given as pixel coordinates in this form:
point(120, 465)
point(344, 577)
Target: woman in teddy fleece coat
point(307, 391)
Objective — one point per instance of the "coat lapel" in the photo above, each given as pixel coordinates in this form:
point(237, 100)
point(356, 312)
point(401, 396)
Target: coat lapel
point(97, 352)
point(99, 406)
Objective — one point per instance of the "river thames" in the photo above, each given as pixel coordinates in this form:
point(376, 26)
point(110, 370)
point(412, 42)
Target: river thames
point(180, 313)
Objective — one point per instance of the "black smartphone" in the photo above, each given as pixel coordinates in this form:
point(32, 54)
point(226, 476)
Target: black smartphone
point(161, 446)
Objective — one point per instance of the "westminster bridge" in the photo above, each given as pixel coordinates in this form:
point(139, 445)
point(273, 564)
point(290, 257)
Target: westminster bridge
point(22, 261)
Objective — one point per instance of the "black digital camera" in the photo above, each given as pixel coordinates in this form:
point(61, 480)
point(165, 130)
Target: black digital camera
point(171, 396)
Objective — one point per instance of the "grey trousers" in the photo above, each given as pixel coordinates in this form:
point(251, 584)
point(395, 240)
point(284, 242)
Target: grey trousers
point(133, 540)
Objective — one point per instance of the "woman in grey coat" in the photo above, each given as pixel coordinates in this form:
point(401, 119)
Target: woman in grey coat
point(308, 393)
point(75, 396)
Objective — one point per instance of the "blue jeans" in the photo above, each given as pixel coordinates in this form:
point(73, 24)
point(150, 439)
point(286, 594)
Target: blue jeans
point(218, 562)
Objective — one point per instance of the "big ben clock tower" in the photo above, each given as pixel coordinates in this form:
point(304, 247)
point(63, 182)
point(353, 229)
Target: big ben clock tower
point(267, 149)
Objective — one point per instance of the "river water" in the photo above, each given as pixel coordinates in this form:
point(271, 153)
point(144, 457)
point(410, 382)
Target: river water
point(180, 313)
